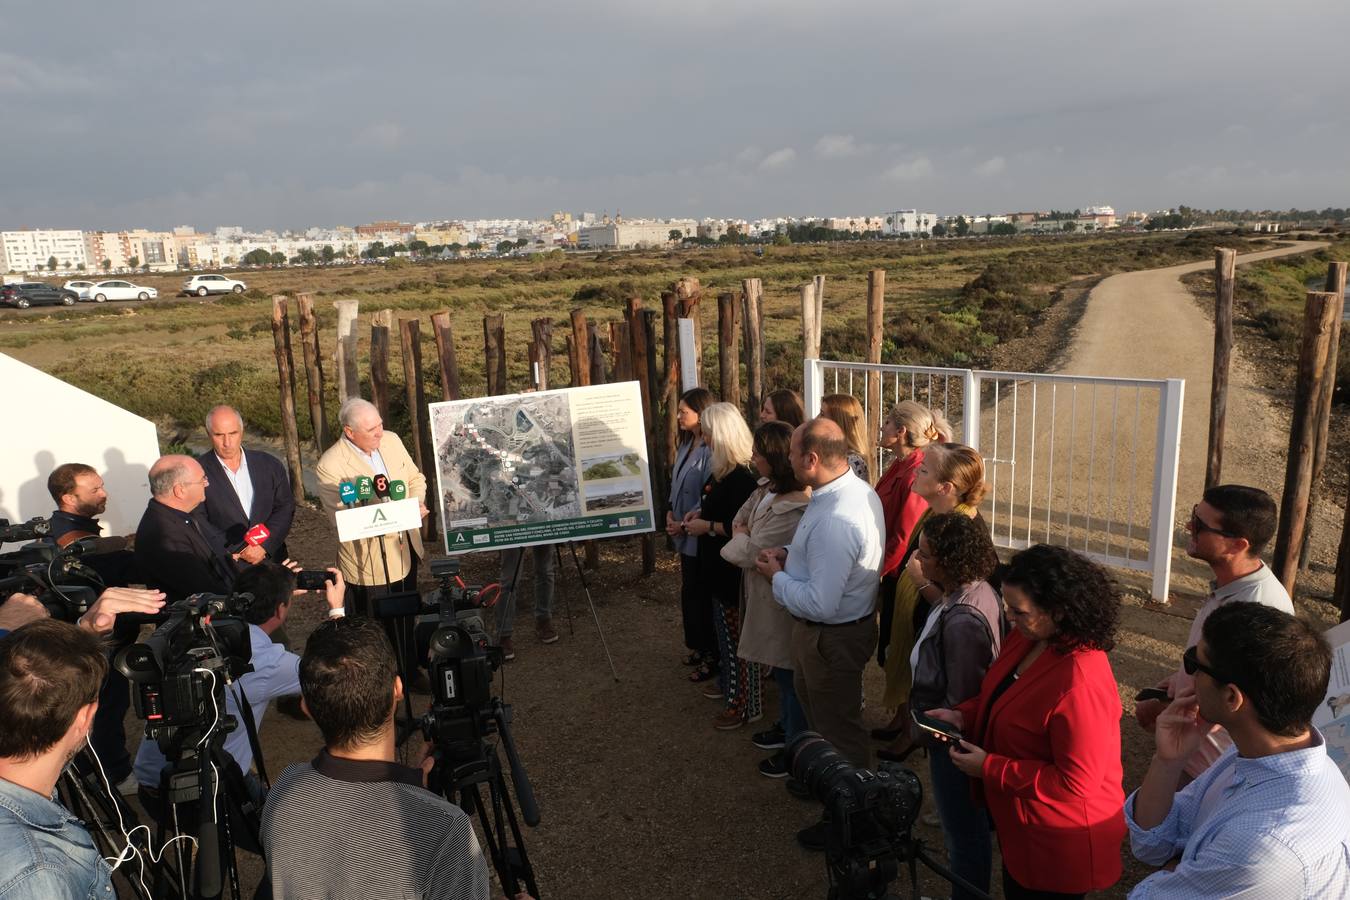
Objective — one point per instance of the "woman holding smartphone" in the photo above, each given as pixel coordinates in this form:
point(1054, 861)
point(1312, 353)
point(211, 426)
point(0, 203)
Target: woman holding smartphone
point(1042, 737)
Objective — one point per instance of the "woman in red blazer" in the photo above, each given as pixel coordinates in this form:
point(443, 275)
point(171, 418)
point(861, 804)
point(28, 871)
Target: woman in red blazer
point(1044, 731)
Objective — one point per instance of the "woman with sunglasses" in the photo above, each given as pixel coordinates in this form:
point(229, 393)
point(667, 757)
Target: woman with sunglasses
point(1042, 738)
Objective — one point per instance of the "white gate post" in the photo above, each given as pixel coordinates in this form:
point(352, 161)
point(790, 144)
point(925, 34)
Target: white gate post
point(970, 413)
point(812, 387)
point(1165, 467)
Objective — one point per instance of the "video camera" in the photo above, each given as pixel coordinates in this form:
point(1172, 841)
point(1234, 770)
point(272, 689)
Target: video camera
point(55, 576)
point(871, 815)
point(181, 669)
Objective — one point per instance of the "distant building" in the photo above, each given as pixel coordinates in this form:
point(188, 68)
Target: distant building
point(909, 221)
point(30, 249)
point(387, 229)
point(629, 235)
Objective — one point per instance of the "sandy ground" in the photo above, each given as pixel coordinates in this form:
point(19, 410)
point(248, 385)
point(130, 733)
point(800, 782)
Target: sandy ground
point(641, 797)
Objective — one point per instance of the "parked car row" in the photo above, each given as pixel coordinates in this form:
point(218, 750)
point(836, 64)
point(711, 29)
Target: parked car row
point(23, 294)
point(116, 289)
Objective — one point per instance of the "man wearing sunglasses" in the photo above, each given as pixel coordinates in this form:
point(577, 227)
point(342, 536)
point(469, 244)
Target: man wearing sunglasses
point(1229, 528)
point(1269, 818)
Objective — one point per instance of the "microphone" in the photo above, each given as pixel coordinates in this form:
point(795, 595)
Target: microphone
point(347, 493)
point(363, 488)
point(398, 490)
point(382, 486)
point(254, 537)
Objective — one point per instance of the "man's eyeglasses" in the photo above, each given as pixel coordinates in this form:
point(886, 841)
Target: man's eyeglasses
point(1198, 525)
point(1190, 661)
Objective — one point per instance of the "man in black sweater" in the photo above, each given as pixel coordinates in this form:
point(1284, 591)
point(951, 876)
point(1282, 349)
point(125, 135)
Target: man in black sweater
point(178, 551)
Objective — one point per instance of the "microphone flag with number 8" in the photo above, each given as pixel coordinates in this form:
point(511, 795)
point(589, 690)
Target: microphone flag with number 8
point(382, 485)
point(398, 490)
point(363, 488)
point(347, 493)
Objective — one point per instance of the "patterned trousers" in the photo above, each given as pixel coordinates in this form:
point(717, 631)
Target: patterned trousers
point(740, 680)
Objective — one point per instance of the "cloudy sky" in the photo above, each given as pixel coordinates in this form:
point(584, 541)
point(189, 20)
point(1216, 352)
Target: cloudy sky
point(292, 113)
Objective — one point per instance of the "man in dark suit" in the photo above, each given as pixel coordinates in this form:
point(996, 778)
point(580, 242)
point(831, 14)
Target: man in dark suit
point(176, 551)
point(245, 488)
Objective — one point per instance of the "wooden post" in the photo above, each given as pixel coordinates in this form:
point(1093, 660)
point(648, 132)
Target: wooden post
point(348, 376)
point(637, 352)
point(621, 351)
point(645, 323)
point(728, 360)
point(289, 432)
point(309, 348)
point(597, 376)
point(876, 309)
point(445, 350)
point(1341, 596)
point(690, 293)
point(752, 318)
point(1312, 369)
point(670, 380)
point(1225, 262)
point(410, 339)
point(494, 353)
point(581, 347)
point(597, 352)
point(810, 327)
point(379, 360)
point(1335, 287)
point(542, 358)
point(819, 284)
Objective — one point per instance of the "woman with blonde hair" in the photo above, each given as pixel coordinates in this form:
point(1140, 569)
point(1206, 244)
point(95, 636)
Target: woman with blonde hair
point(728, 485)
point(908, 428)
point(949, 479)
point(845, 411)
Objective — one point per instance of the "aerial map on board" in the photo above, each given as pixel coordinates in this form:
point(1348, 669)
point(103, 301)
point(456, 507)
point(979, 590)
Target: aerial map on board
point(543, 467)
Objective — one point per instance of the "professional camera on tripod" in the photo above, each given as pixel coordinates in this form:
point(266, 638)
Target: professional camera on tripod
point(465, 715)
point(55, 576)
point(871, 816)
point(180, 673)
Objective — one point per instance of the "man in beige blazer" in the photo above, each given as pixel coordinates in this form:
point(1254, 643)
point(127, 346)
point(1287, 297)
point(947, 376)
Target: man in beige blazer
point(365, 448)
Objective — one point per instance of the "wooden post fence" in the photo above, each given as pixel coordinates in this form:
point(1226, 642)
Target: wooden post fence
point(728, 341)
point(309, 348)
point(1312, 369)
point(641, 365)
point(445, 351)
point(580, 342)
point(494, 353)
point(379, 360)
point(541, 352)
point(818, 284)
point(690, 293)
point(752, 317)
point(285, 374)
point(410, 340)
point(670, 379)
point(597, 375)
point(344, 356)
point(876, 309)
point(621, 351)
point(1225, 263)
point(810, 327)
point(1336, 287)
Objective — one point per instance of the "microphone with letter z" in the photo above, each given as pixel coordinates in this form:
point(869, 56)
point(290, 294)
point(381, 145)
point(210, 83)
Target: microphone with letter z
point(254, 537)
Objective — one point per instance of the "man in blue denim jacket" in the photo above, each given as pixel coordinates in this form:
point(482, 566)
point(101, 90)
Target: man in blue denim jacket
point(50, 674)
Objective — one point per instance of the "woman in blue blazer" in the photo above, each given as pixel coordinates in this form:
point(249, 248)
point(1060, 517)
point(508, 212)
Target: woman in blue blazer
point(686, 493)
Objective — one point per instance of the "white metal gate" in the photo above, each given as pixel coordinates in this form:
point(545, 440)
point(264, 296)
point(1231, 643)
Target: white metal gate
point(1063, 453)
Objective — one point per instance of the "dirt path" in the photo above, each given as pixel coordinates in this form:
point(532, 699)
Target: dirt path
point(1146, 325)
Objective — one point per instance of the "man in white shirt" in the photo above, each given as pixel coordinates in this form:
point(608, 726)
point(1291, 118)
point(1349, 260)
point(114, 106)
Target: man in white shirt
point(1229, 528)
point(246, 488)
point(827, 579)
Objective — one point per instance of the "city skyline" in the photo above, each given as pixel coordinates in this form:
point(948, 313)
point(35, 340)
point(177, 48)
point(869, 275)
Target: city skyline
point(286, 116)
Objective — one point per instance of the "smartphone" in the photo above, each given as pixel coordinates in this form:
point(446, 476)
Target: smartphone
point(1152, 694)
point(943, 731)
point(312, 579)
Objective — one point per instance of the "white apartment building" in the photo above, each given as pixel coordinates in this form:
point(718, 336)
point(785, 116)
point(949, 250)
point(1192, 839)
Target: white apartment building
point(29, 250)
point(627, 235)
point(909, 221)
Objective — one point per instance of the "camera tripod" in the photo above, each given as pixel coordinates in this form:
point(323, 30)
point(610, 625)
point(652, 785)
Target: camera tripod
point(867, 879)
point(85, 794)
point(465, 780)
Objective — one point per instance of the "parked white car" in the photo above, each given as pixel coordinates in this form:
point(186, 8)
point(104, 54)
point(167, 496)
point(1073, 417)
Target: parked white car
point(79, 287)
point(201, 285)
point(119, 290)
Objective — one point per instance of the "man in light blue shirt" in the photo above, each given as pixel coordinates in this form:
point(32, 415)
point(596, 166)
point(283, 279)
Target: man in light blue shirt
point(276, 671)
point(827, 579)
point(1271, 817)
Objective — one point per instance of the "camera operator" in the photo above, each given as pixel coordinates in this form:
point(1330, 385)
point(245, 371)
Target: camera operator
point(276, 671)
point(49, 677)
point(331, 827)
point(80, 497)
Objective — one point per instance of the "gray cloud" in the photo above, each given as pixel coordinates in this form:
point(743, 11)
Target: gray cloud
point(306, 113)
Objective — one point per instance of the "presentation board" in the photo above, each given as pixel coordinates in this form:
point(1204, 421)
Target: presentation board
point(542, 467)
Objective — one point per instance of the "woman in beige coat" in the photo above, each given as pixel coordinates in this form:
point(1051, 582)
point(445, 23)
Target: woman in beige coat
point(767, 519)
